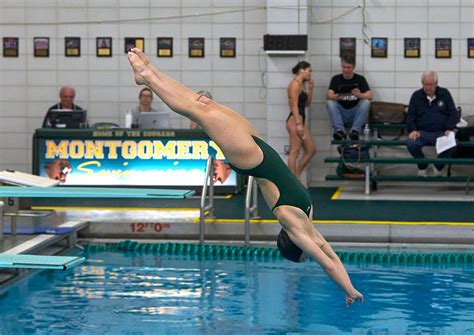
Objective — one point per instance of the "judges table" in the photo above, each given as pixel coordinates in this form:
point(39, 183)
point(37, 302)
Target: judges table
point(129, 157)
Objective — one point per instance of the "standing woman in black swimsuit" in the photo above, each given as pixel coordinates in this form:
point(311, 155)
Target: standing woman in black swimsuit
point(300, 95)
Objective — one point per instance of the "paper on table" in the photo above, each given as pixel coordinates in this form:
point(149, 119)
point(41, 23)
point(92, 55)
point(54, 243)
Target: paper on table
point(444, 143)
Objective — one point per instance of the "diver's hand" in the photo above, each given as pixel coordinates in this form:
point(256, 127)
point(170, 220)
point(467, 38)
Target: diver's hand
point(353, 297)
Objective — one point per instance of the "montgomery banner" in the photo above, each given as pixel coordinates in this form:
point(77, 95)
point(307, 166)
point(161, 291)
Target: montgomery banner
point(163, 161)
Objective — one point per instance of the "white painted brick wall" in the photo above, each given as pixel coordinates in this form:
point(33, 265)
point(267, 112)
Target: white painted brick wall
point(29, 85)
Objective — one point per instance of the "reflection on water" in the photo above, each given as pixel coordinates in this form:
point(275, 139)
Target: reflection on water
point(122, 293)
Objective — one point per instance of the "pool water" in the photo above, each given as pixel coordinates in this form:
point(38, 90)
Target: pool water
point(115, 293)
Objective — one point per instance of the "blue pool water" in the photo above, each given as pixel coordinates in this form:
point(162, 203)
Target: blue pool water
point(149, 294)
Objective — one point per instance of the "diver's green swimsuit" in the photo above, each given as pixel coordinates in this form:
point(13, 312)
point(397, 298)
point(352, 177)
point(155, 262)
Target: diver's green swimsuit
point(272, 167)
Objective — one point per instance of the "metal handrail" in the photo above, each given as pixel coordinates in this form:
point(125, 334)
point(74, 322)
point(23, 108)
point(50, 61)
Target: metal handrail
point(210, 206)
point(251, 206)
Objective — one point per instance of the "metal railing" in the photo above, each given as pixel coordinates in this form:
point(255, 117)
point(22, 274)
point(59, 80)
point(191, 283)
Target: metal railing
point(207, 208)
point(251, 206)
point(209, 179)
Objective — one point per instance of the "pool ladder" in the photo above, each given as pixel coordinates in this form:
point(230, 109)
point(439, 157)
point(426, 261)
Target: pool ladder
point(207, 207)
point(207, 210)
point(251, 206)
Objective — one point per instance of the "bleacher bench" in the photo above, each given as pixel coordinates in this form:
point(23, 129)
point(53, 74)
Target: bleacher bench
point(371, 178)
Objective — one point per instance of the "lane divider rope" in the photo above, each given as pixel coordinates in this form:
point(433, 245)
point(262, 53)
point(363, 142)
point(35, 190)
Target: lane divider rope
point(269, 253)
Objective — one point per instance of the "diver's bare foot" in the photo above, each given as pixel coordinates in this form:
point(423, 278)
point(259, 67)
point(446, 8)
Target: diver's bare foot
point(142, 55)
point(140, 69)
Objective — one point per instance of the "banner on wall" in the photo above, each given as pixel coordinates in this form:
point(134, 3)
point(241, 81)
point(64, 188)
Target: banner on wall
point(132, 162)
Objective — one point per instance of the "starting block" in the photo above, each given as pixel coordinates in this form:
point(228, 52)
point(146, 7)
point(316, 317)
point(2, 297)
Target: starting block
point(39, 262)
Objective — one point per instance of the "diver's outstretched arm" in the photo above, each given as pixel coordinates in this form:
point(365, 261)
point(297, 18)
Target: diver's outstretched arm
point(300, 230)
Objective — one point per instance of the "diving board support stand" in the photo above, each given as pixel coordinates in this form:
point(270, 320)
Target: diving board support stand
point(12, 204)
point(209, 207)
point(367, 179)
point(251, 206)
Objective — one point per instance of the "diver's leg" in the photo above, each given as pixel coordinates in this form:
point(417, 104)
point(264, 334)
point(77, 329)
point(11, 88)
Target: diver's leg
point(231, 132)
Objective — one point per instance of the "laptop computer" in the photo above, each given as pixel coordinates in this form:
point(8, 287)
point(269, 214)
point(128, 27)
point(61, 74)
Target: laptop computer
point(155, 120)
point(66, 118)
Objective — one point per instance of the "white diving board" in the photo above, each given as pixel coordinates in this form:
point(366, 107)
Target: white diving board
point(25, 179)
point(39, 262)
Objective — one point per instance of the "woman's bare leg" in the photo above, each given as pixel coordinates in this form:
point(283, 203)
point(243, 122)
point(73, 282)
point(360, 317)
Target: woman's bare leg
point(228, 129)
point(296, 143)
point(309, 150)
point(295, 146)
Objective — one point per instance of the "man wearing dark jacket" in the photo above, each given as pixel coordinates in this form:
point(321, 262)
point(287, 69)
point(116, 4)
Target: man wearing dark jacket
point(431, 114)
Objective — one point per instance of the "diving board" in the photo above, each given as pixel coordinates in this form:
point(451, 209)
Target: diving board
point(31, 186)
point(25, 179)
point(11, 194)
point(92, 192)
point(39, 262)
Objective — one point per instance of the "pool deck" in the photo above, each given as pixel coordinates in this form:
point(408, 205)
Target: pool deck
point(391, 215)
point(342, 214)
